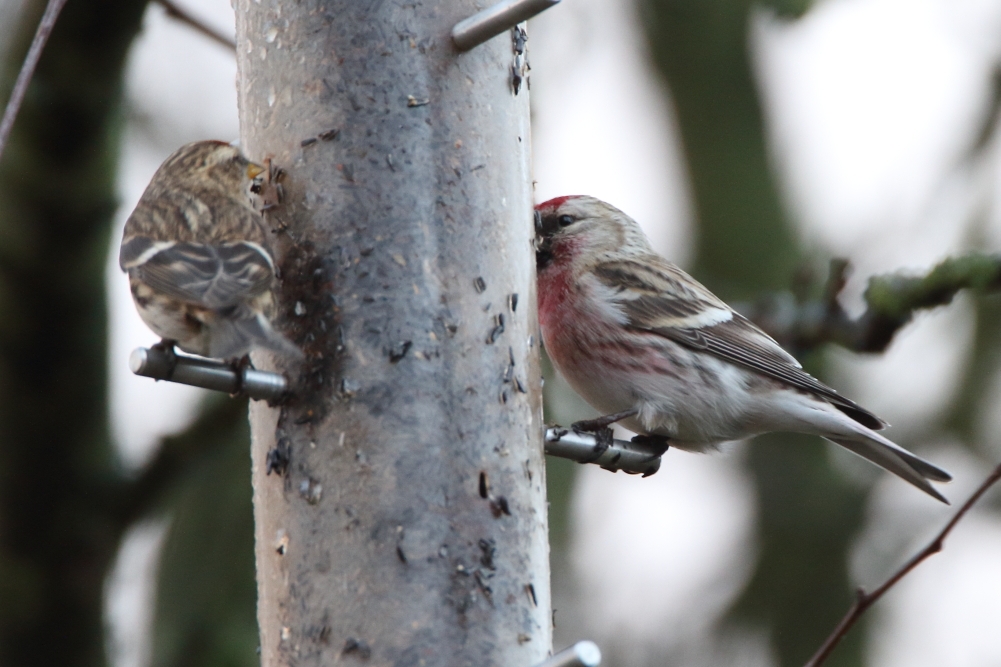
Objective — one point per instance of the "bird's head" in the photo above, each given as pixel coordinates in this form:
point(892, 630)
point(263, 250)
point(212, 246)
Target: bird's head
point(212, 163)
point(578, 228)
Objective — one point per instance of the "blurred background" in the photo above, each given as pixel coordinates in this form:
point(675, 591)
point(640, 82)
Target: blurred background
point(754, 142)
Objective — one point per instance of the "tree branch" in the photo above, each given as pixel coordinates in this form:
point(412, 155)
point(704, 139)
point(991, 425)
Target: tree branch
point(28, 69)
point(801, 325)
point(865, 600)
point(177, 453)
point(179, 13)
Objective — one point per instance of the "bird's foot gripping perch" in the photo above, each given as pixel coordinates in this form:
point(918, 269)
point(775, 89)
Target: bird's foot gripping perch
point(634, 458)
point(240, 366)
point(601, 428)
point(655, 443)
point(165, 350)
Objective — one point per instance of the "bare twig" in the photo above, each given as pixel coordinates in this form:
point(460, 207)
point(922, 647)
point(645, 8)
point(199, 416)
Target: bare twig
point(891, 301)
point(865, 600)
point(28, 69)
point(179, 13)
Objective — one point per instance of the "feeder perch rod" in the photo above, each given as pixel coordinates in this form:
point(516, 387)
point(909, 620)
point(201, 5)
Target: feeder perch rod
point(162, 364)
point(494, 20)
point(621, 455)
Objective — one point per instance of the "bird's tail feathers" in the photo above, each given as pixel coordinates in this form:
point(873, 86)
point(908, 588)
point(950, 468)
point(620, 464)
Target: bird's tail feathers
point(890, 459)
point(235, 337)
point(853, 436)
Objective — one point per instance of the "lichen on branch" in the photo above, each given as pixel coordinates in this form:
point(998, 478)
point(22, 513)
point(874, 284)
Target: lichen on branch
point(802, 324)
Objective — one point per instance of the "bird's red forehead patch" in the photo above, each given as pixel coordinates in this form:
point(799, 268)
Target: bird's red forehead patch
point(554, 203)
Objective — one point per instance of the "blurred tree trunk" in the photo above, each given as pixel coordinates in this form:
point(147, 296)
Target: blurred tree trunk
point(399, 499)
point(206, 595)
point(745, 246)
point(59, 527)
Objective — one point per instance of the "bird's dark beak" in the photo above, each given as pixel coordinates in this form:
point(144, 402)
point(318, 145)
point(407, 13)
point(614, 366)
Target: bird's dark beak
point(543, 243)
point(546, 225)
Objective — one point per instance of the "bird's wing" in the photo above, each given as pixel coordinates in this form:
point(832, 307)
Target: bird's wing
point(216, 276)
point(659, 298)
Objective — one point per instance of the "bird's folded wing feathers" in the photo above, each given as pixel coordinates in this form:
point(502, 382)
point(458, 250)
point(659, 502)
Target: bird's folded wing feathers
point(657, 297)
point(212, 275)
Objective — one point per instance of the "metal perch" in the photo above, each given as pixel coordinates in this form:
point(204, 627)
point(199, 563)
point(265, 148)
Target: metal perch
point(162, 364)
point(629, 457)
point(494, 20)
point(582, 654)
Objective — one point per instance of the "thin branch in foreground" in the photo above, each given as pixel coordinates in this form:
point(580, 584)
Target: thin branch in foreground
point(865, 600)
point(45, 26)
point(180, 14)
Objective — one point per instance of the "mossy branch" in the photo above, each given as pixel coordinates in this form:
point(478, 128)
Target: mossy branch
point(801, 324)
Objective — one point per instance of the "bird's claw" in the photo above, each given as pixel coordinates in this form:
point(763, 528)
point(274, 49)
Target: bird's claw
point(600, 428)
point(603, 438)
point(239, 366)
point(658, 444)
point(167, 347)
point(268, 188)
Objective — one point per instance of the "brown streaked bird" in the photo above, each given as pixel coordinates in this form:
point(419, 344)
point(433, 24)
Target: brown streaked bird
point(643, 342)
point(198, 257)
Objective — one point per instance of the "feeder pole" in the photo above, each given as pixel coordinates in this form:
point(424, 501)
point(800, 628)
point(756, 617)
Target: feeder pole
point(399, 495)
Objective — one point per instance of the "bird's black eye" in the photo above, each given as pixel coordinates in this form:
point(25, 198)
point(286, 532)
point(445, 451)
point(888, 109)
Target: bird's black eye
point(255, 188)
point(565, 220)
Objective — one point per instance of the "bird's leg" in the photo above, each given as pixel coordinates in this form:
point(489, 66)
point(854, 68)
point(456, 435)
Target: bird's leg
point(601, 423)
point(600, 428)
point(656, 443)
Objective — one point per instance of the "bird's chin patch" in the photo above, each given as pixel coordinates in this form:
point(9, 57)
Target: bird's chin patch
point(543, 258)
point(543, 252)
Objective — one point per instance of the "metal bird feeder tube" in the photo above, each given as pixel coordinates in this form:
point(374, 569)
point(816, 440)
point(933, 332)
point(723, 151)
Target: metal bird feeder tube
point(162, 364)
point(495, 20)
point(403, 237)
point(623, 455)
point(582, 654)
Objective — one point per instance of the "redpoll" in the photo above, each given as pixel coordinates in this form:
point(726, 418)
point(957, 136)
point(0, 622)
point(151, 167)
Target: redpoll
point(643, 342)
point(197, 254)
